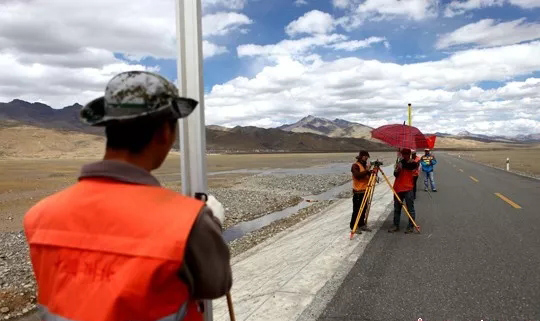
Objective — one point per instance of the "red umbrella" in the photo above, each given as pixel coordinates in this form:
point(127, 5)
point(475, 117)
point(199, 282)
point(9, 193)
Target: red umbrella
point(401, 136)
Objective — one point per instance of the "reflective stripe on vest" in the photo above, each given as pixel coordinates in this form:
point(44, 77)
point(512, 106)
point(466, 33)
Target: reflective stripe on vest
point(360, 184)
point(107, 251)
point(45, 315)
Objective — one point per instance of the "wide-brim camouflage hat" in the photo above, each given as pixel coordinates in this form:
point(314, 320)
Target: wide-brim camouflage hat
point(135, 95)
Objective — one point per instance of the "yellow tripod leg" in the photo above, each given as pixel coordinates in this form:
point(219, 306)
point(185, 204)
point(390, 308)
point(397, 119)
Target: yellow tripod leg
point(370, 199)
point(364, 201)
point(401, 202)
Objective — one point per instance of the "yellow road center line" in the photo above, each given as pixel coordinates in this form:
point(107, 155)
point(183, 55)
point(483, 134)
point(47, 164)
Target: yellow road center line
point(474, 179)
point(507, 200)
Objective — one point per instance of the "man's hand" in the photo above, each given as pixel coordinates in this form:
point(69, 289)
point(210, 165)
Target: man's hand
point(216, 207)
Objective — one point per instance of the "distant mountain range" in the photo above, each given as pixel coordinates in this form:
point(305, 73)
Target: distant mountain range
point(41, 115)
point(344, 128)
point(219, 139)
point(331, 128)
point(309, 134)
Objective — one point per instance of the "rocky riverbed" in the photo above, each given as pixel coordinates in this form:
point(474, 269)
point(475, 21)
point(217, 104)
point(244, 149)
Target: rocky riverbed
point(245, 199)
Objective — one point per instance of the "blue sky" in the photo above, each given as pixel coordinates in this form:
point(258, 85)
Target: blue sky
point(464, 64)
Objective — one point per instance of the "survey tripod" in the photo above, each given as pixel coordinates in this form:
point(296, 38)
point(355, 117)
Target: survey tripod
point(368, 196)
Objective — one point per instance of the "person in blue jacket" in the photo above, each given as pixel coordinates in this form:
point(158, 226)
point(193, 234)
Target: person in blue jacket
point(428, 163)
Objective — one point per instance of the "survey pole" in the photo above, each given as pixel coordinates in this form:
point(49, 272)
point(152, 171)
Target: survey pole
point(410, 115)
point(192, 135)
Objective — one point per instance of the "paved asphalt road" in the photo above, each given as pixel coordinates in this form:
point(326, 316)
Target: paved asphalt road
point(477, 258)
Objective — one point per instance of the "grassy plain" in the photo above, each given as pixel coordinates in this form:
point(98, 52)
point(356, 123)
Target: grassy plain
point(26, 181)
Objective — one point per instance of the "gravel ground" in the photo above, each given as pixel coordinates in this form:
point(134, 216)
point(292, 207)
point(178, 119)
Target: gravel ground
point(250, 197)
point(17, 291)
point(256, 196)
point(245, 204)
point(250, 240)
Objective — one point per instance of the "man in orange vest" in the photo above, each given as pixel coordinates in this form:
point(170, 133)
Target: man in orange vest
point(403, 185)
point(116, 246)
point(416, 171)
point(360, 175)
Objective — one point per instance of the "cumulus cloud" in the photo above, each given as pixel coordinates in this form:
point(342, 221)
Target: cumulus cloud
point(56, 84)
point(299, 48)
point(313, 22)
point(341, 4)
point(526, 4)
point(487, 32)
point(62, 51)
point(459, 7)
point(377, 10)
point(222, 23)
point(227, 4)
point(300, 3)
point(210, 49)
point(353, 45)
point(376, 93)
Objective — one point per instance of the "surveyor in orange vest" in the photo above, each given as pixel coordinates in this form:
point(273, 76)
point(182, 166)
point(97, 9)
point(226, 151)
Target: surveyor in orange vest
point(116, 246)
point(416, 171)
point(403, 185)
point(360, 176)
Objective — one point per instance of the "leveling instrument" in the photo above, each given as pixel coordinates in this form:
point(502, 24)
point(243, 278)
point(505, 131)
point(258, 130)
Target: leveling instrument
point(368, 196)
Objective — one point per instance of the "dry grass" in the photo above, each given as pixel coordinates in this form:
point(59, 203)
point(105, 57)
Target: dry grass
point(26, 181)
point(30, 142)
point(526, 161)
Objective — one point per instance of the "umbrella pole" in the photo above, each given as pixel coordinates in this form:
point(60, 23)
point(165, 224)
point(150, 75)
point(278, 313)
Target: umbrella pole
point(364, 201)
point(402, 204)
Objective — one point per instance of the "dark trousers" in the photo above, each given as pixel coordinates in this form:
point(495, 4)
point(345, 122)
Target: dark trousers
point(414, 190)
point(407, 198)
point(357, 203)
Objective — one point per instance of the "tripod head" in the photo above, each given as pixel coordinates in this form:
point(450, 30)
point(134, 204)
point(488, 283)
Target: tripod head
point(376, 163)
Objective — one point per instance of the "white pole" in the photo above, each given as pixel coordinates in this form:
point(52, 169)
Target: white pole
point(507, 164)
point(192, 133)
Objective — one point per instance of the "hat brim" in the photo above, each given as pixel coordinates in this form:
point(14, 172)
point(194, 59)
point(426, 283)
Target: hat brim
point(93, 113)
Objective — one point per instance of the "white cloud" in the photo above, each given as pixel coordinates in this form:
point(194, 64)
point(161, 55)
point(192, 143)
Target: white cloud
point(313, 22)
point(377, 10)
point(526, 4)
point(487, 32)
point(290, 47)
point(227, 4)
point(222, 23)
point(458, 7)
point(376, 93)
point(300, 3)
point(63, 51)
point(357, 44)
point(56, 84)
point(210, 49)
point(298, 48)
point(341, 4)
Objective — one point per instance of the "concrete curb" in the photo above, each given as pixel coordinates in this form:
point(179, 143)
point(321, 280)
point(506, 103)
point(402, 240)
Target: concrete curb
point(294, 274)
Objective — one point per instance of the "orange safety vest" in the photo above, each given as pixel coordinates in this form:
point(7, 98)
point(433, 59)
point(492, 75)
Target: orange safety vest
point(108, 251)
point(360, 185)
point(404, 182)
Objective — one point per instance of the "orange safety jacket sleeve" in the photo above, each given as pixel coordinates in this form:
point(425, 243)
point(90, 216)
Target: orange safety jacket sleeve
point(206, 268)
